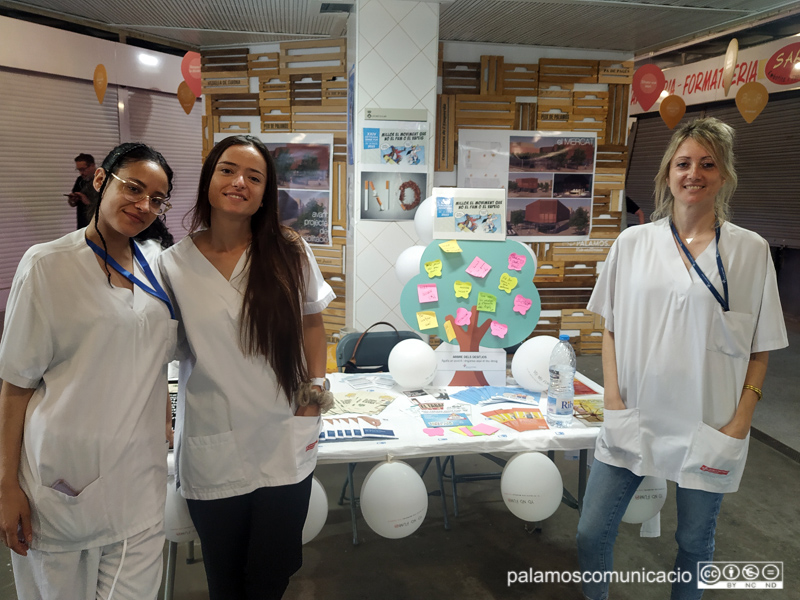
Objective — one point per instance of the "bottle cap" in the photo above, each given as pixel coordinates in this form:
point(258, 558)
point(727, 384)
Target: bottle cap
point(563, 337)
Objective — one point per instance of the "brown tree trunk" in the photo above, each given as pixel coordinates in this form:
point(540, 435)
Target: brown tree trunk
point(470, 341)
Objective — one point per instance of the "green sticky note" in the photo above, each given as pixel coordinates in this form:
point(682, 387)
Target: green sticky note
point(487, 302)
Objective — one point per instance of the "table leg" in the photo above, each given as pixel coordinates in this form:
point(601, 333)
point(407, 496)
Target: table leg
point(584, 455)
point(169, 576)
point(350, 468)
point(441, 492)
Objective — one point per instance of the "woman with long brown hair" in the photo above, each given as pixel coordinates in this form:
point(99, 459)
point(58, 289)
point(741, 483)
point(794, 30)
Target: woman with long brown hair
point(249, 296)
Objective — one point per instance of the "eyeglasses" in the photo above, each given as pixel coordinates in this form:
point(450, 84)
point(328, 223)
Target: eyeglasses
point(132, 192)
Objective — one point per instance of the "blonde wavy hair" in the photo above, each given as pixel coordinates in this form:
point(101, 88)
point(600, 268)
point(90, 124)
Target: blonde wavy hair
point(717, 138)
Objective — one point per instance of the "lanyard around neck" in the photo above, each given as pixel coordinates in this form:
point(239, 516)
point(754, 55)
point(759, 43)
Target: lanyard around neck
point(156, 290)
point(722, 301)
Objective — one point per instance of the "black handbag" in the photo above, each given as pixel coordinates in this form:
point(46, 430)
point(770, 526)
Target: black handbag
point(370, 350)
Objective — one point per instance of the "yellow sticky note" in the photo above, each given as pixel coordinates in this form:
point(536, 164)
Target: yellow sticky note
point(450, 246)
point(462, 288)
point(507, 283)
point(448, 329)
point(426, 319)
point(486, 302)
point(434, 268)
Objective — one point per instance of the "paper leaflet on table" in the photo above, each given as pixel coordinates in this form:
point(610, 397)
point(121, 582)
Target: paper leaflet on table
point(489, 394)
point(352, 428)
point(589, 410)
point(360, 402)
point(519, 419)
point(446, 419)
point(364, 381)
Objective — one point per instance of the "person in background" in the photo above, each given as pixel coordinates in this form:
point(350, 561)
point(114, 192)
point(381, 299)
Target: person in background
point(249, 296)
point(692, 310)
point(88, 333)
point(632, 208)
point(83, 194)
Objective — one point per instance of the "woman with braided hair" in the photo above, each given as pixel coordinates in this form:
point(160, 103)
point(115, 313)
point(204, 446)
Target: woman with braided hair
point(88, 333)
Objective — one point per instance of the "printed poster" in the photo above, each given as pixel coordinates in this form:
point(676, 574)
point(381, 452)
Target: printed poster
point(391, 195)
point(394, 146)
point(469, 214)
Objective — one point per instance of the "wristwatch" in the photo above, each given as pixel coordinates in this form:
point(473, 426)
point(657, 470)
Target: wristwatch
point(322, 382)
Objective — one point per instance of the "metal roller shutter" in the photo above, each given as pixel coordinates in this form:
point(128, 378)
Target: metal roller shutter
point(45, 122)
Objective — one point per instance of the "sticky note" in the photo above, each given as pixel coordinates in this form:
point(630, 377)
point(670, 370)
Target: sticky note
point(485, 428)
point(522, 304)
point(478, 268)
point(507, 283)
point(448, 329)
point(499, 330)
point(516, 262)
point(434, 268)
point(463, 317)
point(434, 431)
point(427, 292)
point(486, 302)
point(426, 319)
point(450, 246)
point(467, 431)
point(462, 288)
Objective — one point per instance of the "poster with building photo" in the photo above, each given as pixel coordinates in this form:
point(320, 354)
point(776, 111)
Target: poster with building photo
point(395, 146)
point(469, 214)
point(548, 177)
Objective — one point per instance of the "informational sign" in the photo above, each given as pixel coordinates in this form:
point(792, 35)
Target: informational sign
point(395, 146)
point(469, 214)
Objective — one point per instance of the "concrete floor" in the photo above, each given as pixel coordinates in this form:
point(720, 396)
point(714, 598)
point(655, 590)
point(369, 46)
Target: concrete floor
point(471, 561)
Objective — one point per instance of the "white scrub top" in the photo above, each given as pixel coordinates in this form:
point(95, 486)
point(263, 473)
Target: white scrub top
point(681, 360)
point(97, 357)
point(235, 432)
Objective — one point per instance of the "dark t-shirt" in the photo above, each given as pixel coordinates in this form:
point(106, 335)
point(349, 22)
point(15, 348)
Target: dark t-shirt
point(86, 187)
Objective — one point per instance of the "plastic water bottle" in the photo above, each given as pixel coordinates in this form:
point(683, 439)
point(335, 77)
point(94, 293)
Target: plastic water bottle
point(561, 393)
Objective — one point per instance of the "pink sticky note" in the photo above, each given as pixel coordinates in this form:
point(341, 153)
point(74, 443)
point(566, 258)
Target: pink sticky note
point(516, 262)
point(522, 304)
point(427, 292)
point(466, 431)
point(478, 268)
point(434, 431)
point(485, 428)
point(499, 330)
point(463, 317)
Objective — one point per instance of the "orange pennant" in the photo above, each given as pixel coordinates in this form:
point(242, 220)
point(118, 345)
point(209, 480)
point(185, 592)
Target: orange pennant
point(751, 99)
point(100, 82)
point(672, 110)
point(186, 97)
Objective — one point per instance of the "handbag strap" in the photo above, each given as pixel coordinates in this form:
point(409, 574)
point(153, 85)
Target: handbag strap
point(361, 337)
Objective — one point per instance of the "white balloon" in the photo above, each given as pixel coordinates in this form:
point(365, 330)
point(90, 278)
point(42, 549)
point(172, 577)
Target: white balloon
point(531, 486)
point(178, 524)
point(424, 219)
point(317, 511)
point(530, 366)
point(648, 500)
point(412, 363)
point(394, 500)
point(407, 265)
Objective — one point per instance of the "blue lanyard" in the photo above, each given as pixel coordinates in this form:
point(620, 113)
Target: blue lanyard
point(156, 290)
point(723, 301)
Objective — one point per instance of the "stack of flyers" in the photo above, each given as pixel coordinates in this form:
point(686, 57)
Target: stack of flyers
point(353, 428)
point(446, 419)
point(490, 394)
point(590, 411)
point(582, 389)
point(520, 419)
point(365, 382)
point(365, 403)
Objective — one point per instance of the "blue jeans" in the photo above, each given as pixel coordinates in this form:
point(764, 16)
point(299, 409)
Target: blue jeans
point(608, 493)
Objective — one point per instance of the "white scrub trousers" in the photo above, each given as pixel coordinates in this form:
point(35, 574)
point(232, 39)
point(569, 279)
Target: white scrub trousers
point(93, 574)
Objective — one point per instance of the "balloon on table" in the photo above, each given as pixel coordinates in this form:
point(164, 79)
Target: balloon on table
point(178, 525)
point(530, 366)
point(424, 219)
point(407, 265)
point(647, 501)
point(412, 363)
point(317, 511)
point(394, 500)
point(531, 486)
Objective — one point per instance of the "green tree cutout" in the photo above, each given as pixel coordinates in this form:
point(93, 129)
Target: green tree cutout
point(479, 331)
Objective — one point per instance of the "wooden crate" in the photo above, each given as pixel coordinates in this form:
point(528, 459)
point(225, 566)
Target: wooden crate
point(601, 203)
point(319, 119)
point(264, 64)
point(547, 326)
point(445, 132)
point(334, 92)
point(485, 112)
point(606, 227)
point(461, 78)
point(225, 82)
point(525, 116)
point(328, 56)
point(274, 93)
point(491, 76)
point(237, 127)
point(558, 298)
point(594, 123)
point(567, 70)
point(586, 251)
point(556, 95)
point(609, 181)
point(611, 158)
point(276, 120)
point(548, 271)
point(617, 121)
point(520, 79)
point(580, 319)
point(306, 90)
point(579, 274)
point(614, 72)
point(592, 342)
point(590, 103)
point(228, 59)
point(235, 105)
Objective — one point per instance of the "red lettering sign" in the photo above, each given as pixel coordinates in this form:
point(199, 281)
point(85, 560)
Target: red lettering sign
point(781, 68)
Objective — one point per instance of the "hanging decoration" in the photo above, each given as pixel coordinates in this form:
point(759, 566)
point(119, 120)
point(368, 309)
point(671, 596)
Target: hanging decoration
point(728, 70)
point(751, 99)
point(186, 97)
point(648, 82)
point(190, 69)
point(672, 110)
point(100, 82)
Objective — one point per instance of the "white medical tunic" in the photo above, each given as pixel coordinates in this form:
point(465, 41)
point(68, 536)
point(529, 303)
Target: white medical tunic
point(97, 358)
point(682, 360)
point(235, 431)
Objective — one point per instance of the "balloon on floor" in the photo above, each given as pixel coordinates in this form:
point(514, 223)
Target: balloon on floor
point(394, 500)
point(317, 511)
point(531, 486)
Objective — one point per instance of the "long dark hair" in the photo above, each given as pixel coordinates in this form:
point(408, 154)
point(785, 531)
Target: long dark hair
point(119, 158)
point(271, 321)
